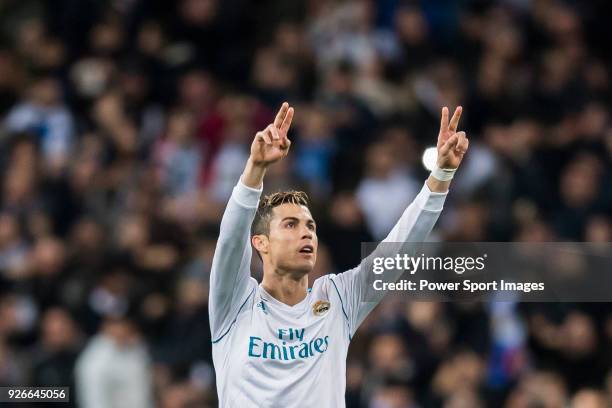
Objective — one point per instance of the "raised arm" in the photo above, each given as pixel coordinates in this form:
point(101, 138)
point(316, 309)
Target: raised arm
point(230, 281)
point(415, 223)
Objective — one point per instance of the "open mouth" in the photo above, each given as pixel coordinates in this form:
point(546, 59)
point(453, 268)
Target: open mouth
point(307, 249)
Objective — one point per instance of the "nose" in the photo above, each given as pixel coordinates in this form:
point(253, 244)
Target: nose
point(307, 234)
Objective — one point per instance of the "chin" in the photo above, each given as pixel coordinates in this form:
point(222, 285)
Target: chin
point(299, 264)
point(304, 267)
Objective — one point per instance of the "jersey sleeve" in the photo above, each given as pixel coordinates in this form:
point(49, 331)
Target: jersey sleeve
point(230, 277)
point(412, 228)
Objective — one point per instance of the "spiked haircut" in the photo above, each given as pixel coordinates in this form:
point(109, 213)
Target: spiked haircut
point(261, 223)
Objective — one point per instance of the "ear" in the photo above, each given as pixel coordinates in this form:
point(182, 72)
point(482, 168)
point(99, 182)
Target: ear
point(260, 243)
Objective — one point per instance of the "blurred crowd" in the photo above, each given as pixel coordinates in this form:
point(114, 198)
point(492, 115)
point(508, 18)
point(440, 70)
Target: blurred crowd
point(124, 125)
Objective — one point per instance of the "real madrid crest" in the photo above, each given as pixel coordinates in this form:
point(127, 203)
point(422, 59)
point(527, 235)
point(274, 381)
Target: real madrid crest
point(320, 307)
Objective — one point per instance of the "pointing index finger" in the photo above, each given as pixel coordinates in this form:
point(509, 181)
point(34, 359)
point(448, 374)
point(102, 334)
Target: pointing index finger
point(287, 121)
point(280, 116)
point(444, 120)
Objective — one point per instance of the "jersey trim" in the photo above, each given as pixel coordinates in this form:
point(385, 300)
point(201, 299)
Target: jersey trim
point(343, 311)
point(234, 321)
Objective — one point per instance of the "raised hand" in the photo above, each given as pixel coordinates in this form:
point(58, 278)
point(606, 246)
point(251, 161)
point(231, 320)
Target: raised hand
point(271, 144)
point(452, 145)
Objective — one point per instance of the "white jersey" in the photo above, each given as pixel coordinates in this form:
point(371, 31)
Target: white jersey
point(269, 354)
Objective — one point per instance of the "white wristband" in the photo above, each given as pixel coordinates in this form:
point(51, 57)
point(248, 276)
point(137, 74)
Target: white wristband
point(443, 174)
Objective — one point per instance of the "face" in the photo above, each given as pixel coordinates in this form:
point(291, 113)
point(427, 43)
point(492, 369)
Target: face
point(122, 332)
point(292, 242)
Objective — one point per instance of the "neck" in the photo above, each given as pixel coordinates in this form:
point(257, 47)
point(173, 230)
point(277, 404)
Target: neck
point(285, 287)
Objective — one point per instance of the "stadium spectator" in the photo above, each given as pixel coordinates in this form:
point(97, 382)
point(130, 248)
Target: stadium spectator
point(114, 368)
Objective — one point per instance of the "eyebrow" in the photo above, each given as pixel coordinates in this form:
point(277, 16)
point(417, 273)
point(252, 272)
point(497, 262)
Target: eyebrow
point(308, 221)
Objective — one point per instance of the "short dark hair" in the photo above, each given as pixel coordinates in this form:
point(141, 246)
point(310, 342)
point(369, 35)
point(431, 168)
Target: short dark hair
point(261, 223)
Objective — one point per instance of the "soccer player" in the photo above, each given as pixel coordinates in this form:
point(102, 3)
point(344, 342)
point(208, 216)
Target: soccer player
point(279, 343)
